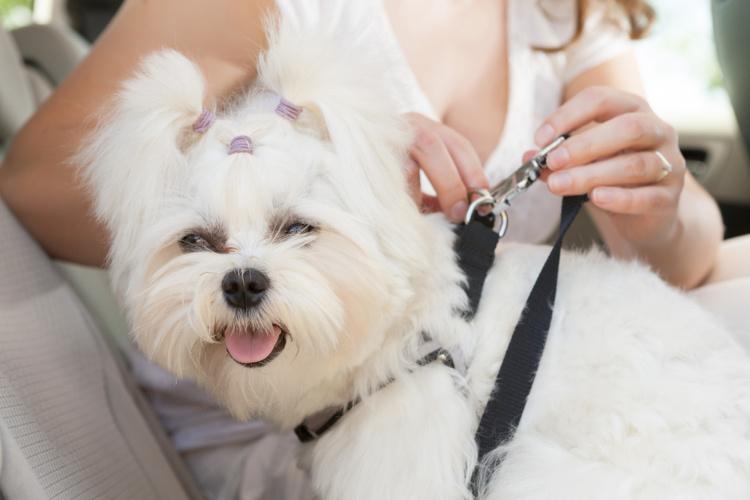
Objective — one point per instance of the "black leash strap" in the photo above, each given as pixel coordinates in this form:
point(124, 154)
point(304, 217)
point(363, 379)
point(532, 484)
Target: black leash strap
point(516, 375)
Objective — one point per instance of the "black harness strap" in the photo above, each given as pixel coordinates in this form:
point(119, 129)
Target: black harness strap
point(475, 249)
point(518, 369)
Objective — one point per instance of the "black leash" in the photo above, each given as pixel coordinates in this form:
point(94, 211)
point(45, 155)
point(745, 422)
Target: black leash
point(518, 369)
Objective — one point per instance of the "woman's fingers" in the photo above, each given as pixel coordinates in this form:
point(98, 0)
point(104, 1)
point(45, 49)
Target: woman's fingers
point(449, 162)
point(528, 155)
point(593, 104)
point(632, 169)
point(430, 204)
point(411, 172)
point(433, 157)
point(465, 157)
point(630, 131)
point(647, 200)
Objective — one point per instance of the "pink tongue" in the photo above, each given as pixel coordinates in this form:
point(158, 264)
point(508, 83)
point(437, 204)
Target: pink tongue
point(248, 346)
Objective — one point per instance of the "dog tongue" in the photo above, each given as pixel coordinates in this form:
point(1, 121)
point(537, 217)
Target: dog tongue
point(251, 346)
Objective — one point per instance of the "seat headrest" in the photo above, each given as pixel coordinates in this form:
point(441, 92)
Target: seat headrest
point(16, 98)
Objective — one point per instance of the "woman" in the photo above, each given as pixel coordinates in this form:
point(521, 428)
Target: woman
point(485, 80)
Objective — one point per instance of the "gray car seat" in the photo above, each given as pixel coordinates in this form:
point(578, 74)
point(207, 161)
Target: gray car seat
point(73, 425)
point(70, 426)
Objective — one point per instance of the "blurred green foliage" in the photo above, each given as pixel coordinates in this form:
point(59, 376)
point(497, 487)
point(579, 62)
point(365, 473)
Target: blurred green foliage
point(8, 6)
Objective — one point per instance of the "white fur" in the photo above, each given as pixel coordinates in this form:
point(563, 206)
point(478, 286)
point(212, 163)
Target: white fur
point(640, 394)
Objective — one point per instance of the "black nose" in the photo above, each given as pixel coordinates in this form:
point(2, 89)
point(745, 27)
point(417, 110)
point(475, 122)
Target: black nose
point(244, 288)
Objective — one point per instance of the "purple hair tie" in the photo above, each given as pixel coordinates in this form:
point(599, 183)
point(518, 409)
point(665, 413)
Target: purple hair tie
point(241, 144)
point(288, 110)
point(204, 121)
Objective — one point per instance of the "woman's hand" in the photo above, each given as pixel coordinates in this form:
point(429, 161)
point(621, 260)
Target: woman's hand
point(450, 163)
point(612, 156)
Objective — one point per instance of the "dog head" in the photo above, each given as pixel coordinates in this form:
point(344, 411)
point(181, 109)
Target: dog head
point(263, 255)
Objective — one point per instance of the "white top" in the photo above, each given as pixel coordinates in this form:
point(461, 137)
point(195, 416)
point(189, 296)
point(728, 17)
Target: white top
point(536, 84)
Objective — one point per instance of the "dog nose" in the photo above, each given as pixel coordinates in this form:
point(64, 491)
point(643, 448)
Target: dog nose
point(244, 288)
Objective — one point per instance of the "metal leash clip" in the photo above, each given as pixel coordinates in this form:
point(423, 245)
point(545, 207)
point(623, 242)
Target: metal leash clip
point(499, 197)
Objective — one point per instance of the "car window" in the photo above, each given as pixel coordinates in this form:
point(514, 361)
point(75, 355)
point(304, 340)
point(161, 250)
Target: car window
point(678, 60)
point(15, 13)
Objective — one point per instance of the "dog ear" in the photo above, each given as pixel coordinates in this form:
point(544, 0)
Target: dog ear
point(136, 153)
point(335, 63)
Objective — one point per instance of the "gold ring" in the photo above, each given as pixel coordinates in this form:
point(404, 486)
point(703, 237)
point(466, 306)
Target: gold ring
point(666, 167)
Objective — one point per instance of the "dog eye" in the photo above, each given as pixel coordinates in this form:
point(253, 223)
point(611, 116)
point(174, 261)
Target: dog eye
point(298, 228)
point(194, 243)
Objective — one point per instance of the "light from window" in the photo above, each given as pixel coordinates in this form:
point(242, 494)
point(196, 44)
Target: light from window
point(678, 62)
point(15, 13)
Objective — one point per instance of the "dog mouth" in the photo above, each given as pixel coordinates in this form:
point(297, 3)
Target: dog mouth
point(254, 347)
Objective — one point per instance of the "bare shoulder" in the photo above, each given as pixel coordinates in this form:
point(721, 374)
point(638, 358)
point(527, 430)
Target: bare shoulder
point(37, 181)
point(224, 37)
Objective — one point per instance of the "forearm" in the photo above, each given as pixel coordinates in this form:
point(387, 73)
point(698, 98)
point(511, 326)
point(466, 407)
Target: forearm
point(685, 254)
point(38, 181)
point(44, 195)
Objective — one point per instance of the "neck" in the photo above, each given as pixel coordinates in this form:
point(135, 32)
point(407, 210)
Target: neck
point(436, 294)
point(425, 296)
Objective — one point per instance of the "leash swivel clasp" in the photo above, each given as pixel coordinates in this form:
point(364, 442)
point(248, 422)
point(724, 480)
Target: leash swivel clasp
point(484, 198)
point(499, 197)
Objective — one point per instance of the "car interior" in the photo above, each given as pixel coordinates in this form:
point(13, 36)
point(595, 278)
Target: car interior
point(73, 423)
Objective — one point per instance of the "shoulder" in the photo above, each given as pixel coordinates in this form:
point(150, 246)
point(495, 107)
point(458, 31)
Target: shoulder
point(546, 23)
point(553, 24)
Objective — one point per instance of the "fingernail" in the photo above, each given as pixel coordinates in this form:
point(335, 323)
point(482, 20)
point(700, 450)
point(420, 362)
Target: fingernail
point(544, 135)
point(558, 158)
point(603, 195)
point(559, 182)
point(458, 212)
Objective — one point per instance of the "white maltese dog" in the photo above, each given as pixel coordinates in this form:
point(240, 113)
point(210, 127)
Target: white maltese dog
point(273, 254)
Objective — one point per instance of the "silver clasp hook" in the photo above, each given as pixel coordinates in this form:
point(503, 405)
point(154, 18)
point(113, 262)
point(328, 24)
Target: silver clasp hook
point(500, 196)
point(485, 198)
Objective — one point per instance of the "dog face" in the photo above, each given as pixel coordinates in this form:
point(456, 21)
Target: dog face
point(268, 283)
point(268, 274)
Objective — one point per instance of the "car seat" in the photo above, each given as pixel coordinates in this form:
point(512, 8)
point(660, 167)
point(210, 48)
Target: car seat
point(73, 424)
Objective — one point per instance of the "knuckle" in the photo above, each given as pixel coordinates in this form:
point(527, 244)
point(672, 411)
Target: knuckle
point(426, 139)
point(670, 133)
point(581, 183)
point(660, 130)
point(600, 96)
point(636, 166)
point(411, 168)
point(660, 201)
point(581, 147)
point(640, 101)
point(634, 128)
point(452, 194)
point(462, 143)
point(628, 201)
point(595, 92)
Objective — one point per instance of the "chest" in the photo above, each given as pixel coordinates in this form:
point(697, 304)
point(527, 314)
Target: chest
point(458, 52)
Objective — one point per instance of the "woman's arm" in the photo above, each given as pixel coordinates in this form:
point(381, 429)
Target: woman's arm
point(224, 37)
point(671, 222)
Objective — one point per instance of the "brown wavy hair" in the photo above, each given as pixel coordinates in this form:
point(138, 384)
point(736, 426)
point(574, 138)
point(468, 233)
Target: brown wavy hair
point(637, 17)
